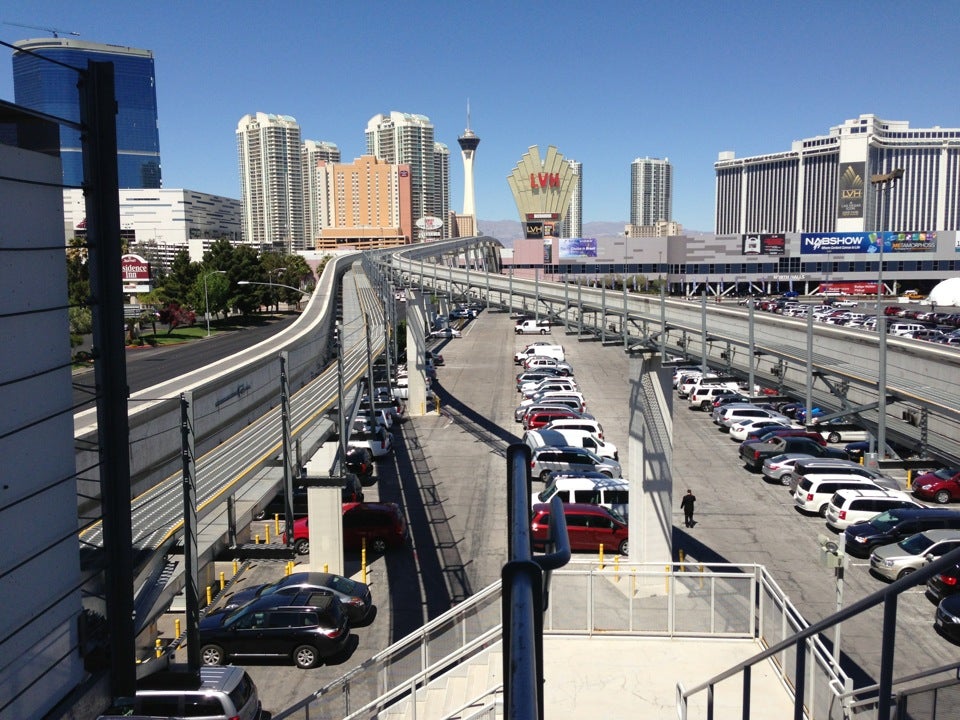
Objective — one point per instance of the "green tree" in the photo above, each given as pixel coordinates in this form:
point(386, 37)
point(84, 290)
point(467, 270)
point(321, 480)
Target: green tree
point(179, 281)
point(78, 273)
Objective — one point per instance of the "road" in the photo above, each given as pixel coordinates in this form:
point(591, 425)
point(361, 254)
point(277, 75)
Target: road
point(149, 366)
point(449, 474)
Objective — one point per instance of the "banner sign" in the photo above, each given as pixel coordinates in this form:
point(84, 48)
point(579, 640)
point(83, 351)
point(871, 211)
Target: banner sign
point(571, 248)
point(763, 244)
point(850, 187)
point(855, 242)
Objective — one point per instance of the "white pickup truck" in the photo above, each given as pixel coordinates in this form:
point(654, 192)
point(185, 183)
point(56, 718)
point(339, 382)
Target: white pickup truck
point(532, 326)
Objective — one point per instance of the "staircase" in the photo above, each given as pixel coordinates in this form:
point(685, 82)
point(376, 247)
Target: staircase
point(469, 690)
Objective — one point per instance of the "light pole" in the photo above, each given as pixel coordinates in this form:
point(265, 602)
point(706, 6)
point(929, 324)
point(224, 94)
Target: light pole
point(273, 285)
point(206, 299)
point(270, 283)
point(883, 183)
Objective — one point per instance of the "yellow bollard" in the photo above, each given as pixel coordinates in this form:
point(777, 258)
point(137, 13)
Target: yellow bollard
point(266, 533)
point(601, 556)
point(616, 568)
point(176, 627)
point(666, 578)
point(276, 524)
point(326, 567)
point(223, 581)
point(681, 561)
point(909, 479)
point(159, 648)
point(438, 405)
point(256, 539)
point(363, 561)
point(287, 570)
point(701, 576)
point(236, 567)
point(209, 595)
point(423, 410)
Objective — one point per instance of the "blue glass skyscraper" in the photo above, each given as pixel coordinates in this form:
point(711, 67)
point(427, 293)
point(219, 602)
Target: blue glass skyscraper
point(52, 89)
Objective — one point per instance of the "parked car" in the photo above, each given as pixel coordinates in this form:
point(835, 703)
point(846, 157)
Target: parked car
point(354, 597)
point(840, 432)
point(306, 628)
point(941, 486)
point(590, 425)
point(220, 693)
point(588, 527)
point(899, 559)
point(774, 468)
point(761, 436)
point(538, 374)
point(381, 524)
point(814, 493)
point(754, 453)
point(447, 332)
point(947, 619)
point(536, 419)
point(852, 506)
point(549, 458)
point(377, 439)
point(740, 431)
point(896, 524)
point(945, 584)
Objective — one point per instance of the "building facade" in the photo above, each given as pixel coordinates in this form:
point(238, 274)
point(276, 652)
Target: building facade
point(408, 139)
point(651, 191)
point(823, 184)
point(52, 89)
point(271, 181)
point(572, 224)
point(363, 205)
point(313, 152)
point(158, 224)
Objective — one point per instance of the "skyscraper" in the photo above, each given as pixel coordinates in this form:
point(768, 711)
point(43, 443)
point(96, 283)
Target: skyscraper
point(572, 224)
point(52, 89)
point(312, 153)
point(271, 181)
point(651, 191)
point(407, 139)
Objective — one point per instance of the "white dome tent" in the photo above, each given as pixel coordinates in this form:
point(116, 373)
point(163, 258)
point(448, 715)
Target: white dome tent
point(946, 293)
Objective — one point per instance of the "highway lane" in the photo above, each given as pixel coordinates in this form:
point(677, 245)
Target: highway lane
point(148, 366)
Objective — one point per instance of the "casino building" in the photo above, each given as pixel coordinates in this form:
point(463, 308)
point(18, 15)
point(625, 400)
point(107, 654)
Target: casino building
point(818, 218)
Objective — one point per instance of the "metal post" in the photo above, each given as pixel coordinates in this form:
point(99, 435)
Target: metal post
point(536, 293)
point(285, 437)
point(366, 329)
point(623, 326)
point(663, 324)
point(809, 398)
point(838, 576)
point(751, 345)
point(603, 312)
point(703, 330)
point(98, 109)
point(191, 589)
point(341, 396)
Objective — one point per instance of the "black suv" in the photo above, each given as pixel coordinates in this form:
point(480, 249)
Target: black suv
point(895, 525)
point(753, 453)
point(305, 627)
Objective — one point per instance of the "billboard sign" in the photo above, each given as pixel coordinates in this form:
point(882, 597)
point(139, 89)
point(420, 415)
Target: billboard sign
point(764, 244)
point(854, 242)
point(850, 189)
point(135, 271)
point(851, 287)
point(573, 248)
point(429, 223)
point(533, 229)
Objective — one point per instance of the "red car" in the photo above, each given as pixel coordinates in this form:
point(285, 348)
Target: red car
point(541, 418)
point(588, 527)
point(382, 524)
point(941, 486)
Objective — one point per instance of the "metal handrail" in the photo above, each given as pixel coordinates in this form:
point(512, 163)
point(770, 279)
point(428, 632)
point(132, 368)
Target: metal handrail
point(887, 596)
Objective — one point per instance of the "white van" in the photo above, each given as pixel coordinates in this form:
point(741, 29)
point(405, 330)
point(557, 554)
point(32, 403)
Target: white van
point(611, 493)
point(588, 424)
point(554, 351)
point(903, 329)
point(851, 506)
point(569, 436)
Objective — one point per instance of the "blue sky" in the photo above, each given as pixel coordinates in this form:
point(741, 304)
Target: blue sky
point(605, 82)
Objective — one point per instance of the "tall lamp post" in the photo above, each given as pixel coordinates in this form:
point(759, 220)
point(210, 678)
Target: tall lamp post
point(206, 298)
point(289, 287)
point(271, 283)
point(882, 183)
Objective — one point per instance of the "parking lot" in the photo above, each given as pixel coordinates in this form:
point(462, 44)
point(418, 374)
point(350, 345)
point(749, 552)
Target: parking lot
point(448, 472)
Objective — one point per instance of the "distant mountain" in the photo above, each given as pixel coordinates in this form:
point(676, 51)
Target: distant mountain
point(506, 231)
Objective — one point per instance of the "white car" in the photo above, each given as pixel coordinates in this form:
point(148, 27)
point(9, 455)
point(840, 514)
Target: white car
point(840, 433)
point(743, 428)
point(447, 332)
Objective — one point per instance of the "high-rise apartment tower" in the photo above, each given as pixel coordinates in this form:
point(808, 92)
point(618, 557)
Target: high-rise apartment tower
point(313, 153)
point(51, 88)
point(271, 181)
point(651, 191)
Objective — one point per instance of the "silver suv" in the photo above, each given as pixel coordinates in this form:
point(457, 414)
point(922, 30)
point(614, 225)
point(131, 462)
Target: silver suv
point(564, 458)
point(223, 693)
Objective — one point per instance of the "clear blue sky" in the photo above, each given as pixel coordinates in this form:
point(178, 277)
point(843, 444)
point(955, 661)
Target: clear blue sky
point(605, 82)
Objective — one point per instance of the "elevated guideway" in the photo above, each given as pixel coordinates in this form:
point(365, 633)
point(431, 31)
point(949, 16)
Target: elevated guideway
point(840, 365)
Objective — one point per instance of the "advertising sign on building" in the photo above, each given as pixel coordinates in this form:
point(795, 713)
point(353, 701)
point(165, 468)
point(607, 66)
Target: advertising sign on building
point(764, 244)
point(429, 223)
point(573, 248)
point(547, 252)
point(136, 274)
point(893, 242)
point(850, 187)
point(848, 288)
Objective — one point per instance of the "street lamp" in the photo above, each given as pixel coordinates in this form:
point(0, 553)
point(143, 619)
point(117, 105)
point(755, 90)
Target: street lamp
point(270, 281)
point(883, 183)
point(206, 299)
point(273, 285)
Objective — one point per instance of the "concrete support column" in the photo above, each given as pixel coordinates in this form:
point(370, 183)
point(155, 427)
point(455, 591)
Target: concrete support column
point(650, 468)
point(324, 508)
point(416, 360)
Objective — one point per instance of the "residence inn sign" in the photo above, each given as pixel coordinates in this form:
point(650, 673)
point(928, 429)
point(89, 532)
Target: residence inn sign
point(541, 189)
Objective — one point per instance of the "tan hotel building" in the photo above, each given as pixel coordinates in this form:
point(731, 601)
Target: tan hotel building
point(363, 205)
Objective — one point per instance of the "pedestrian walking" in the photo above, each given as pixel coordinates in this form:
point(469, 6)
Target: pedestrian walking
point(687, 506)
